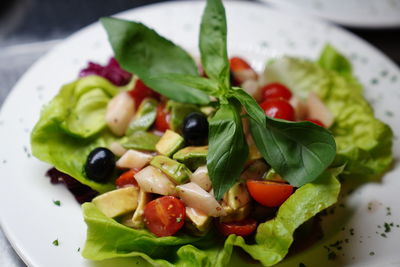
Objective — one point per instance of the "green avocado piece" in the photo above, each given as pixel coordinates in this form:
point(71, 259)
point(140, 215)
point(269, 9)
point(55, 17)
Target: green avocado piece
point(141, 140)
point(169, 143)
point(137, 218)
point(144, 117)
point(235, 215)
point(178, 172)
point(178, 111)
point(197, 222)
point(192, 156)
point(237, 196)
point(117, 202)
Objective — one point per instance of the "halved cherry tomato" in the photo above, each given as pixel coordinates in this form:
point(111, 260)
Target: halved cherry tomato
point(162, 118)
point(238, 63)
point(270, 194)
point(317, 122)
point(276, 90)
point(164, 216)
point(240, 228)
point(278, 108)
point(142, 91)
point(241, 71)
point(127, 178)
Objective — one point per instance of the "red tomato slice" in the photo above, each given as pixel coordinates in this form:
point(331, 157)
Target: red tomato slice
point(162, 119)
point(127, 178)
point(241, 71)
point(142, 91)
point(238, 63)
point(240, 228)
point(278, 108)
point(268, 193)
point(276, 90)
point(317, 122)
point(164, 216)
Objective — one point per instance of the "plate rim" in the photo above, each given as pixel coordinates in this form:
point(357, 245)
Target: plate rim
point(8, 232)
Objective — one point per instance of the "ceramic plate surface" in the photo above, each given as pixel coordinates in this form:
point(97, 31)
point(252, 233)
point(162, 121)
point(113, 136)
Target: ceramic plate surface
point(352, 13)
point(32, 222)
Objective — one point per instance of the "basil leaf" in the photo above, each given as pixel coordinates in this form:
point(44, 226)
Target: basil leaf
point(298, 151)
point(212, 43)
point(227, 148)
point(208, 86)
point(250, 104)
point(143, 52)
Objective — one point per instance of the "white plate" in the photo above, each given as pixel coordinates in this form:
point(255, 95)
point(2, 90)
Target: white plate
point(30, 219)
point(352, 13)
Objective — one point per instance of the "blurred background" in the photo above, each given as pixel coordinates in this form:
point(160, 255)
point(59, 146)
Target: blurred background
point(30, 28)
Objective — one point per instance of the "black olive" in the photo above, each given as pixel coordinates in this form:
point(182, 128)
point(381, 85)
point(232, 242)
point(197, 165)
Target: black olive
point(195, 129)
point(100, 164)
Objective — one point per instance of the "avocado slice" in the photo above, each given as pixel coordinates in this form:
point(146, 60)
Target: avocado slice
point(117, 202)
point(236, 203)
point(237, 196)
point(144, 117)
point(169, 143)
point(235, 215)
point(197, 222)
point(137, 221)
point(192, 156)
point(141, 140)
point(178, 172)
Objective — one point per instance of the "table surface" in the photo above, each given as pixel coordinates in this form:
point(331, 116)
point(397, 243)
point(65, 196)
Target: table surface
point(30, 28)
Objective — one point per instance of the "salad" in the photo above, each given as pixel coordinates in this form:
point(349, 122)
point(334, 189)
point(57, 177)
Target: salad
point(182, 162)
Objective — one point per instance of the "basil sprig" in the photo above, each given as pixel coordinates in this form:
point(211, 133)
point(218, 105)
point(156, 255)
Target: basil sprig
point(227, 147)
point(142, 51)
point(298, 151)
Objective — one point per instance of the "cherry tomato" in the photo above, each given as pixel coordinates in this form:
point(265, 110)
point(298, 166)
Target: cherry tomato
point(238, 63)
point(241, 71)
point(162, 119)
point(127, 178)
point(276, 90)
point(164, 216)
point(317, 122)
point(240, 228)
point(270, 194)
point(141, 91)
point(278, 108)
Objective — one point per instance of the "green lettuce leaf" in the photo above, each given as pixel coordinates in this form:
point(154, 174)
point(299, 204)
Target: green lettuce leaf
point(363, 142)
point(273, 238)
point(106, 238)
point(72, 125)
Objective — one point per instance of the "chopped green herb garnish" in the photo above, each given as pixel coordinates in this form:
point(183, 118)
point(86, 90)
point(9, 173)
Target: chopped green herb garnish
point(55, 242)
point(387, 227)
point(57, 202)
point(372, 253)
point(383, 235)
point(388, 211)
point(179, 219)
point(79, 249)
point(351, 231)
point(332, 255)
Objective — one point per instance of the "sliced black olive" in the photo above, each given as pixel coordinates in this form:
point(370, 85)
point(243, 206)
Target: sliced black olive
point(100, 164)
point(195, 129)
